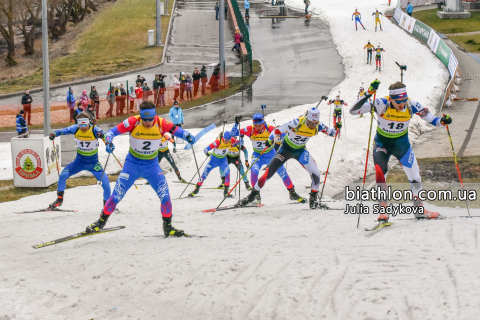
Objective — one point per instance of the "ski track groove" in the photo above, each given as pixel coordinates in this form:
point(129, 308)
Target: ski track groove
point(453, 281)
point(449, 233)
point(475, 238)
point(307, 297)
point(336, 284)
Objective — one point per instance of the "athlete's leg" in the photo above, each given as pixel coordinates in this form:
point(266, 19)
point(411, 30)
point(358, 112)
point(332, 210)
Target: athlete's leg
point(72, 168)
point(380, 160)
point(130, 173)
point(404, 153)
point(275, 164)
point(307, 161)
point(256, 166)
point(172, 163)
point(97, 171)
point(226, 169)
point(212, 163)
point(153, 174)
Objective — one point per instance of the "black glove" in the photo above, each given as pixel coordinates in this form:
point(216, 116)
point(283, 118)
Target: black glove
point(374, 86)
point(190, 139)
point(338, 125)
point(341, 101)
point(330, 101)
point(446, 119)
point(52, 136)
point(100, 135)
point(269, 143)
point(238, 119)
point(247, 164)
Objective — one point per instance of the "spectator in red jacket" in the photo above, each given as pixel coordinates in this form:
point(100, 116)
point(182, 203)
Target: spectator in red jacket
point(139, 93)
point(238, 37)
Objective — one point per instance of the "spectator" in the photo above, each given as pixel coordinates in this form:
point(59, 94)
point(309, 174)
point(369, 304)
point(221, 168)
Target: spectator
point(71, 103)
point(118, 99)
point(21, 124)
point(217, 10)
point(409, 9)
point(139, 93)
point(111, 101)
point(307, 3)
point(214, 78)
point(91, 113)
point(204, 80)
point(131, 98)
point(176, 114)
point(183, 81)
point(155, 89)
point(196, 82)
point(146, 90)
point(161, 86)
point(247, 8)
point(84, 99)
point(123, 99)
point(95, 100)
point(27, 106)
point(188, 86)
point(140, 79)
point(176, 87)
point(77, 111)
point(238, 37)
point(226, 8)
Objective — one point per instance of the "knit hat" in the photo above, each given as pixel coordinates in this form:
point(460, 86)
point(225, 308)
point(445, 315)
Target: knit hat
point(22, 112)
point(227, 135)
point(313, 114)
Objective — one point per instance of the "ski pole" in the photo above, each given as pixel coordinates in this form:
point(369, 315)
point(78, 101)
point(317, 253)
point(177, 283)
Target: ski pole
point(456, 164)
point(196, 163)
point(368, 151)
point(119, 162)
point(326, 174)
point(56, 159)
point(103, 172)
point(241, 178)
point(189, 183)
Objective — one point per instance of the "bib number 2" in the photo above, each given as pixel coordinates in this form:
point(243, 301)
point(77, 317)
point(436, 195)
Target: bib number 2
point(146, 145)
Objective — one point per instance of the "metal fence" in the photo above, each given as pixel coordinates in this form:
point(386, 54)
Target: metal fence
point(246, 59)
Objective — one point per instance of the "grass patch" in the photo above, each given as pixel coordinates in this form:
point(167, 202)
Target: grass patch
point(115, 42)
point(470, 42)
point(429, 17)
point(236, 85)
point(12, 194)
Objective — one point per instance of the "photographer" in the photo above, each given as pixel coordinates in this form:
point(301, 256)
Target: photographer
point(159, 90)
point(95, 100)
point(140, 79)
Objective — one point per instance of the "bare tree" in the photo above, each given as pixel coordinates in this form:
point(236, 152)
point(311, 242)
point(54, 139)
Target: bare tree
point(8, 9)
point(58, 16)
point(29, 15)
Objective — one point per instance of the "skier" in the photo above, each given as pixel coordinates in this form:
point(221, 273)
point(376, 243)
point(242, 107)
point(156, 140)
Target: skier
point(298, 132)
point(357, 16)
point(378, 58)
point(361, 92)
point(164, 152)
point(217, 151)
point(259, 133)
point(146, 131)
point(394, 113)
point(337, 112)
point(369, 48)
point(377, 19)
point(233, 156)
point(86, 135)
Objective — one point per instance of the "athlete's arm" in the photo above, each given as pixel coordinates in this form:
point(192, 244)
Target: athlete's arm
point(362, 105)
point(287, 126)
point(211, 146)
point(98, 133)
point(247, 131)
point(126, 126)
point(328, 131)
point(424, 113)
point(66, 131)
point(245, 151)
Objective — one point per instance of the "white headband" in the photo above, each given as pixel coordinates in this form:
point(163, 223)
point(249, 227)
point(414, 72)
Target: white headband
point(83, 121)
point(398, 91)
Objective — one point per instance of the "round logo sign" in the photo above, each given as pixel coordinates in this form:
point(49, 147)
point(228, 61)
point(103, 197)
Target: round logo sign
point(28, 164)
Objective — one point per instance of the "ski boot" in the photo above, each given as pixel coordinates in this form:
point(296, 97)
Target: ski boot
point(58, 202)
point(380, 69)
point(427, 214)
point(248, 186)
point(314, 200)
point(180, 177)
point(194, 192)
point(376, 68)
point(225, 192)
point(356, 28)
point(383, 217)
point(295, 197)
point(98, 226)
point(250, 198)
point(169, 230)
point(222, 185)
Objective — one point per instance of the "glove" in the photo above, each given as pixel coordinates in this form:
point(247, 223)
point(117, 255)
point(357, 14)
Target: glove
point(52, 136)
point(100, 134)
point(238, 119)
point(374, 86)
point(269, 143)
point(247, 164)
point(446, 119)
point(110, 147)
point(338, 125)
point(208, 154)
point(190, 139)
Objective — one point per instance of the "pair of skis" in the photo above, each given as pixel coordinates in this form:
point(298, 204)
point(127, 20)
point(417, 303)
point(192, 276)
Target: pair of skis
point(46, 210)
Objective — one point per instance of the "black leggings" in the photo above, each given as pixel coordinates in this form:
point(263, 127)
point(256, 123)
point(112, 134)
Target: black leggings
point(168, 156)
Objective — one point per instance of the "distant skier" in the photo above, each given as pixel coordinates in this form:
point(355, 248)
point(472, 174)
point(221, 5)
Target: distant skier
point(217, 151)
point(86, 135)
point(369, 48)
point(233, 157)
point(164, 152)
point(378, 58)
point(394, 113)
point(357, 16)
point(337, 111)
point(298, 132)
point(259, 133)
point(146, 131)
point(377, 19)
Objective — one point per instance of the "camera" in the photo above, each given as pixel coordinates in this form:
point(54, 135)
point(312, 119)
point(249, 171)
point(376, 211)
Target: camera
point(161, 77)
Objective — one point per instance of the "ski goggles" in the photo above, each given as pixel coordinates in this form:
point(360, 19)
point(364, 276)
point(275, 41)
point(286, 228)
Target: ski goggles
point(258, 121)
point(83, 123)
point(400, 101)
point(148, 114)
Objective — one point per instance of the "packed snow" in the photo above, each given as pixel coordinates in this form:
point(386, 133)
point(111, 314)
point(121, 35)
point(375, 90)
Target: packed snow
point(280, 261)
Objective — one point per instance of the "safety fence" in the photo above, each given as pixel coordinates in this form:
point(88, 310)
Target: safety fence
point(60, 112)
point(439, 48)
point(239, 23)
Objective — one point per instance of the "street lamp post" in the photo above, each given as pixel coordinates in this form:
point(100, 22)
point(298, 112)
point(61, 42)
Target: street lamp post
point(46, 72)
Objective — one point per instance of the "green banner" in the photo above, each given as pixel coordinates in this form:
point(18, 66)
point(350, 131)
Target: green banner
point(443, 52)
point(421, 30)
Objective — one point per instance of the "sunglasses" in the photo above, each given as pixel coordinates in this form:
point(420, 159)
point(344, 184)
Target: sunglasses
point(148, 119)
point(310, 123)
point(258, 121)
point(400, 101)
point(83, 125)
